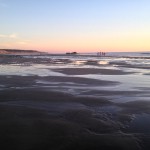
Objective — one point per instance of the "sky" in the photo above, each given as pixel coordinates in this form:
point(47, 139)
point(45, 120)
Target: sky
point(75, 25)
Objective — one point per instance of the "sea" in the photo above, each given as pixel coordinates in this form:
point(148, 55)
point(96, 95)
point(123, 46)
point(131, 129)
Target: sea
point(134, 65)
point(134, 80)
point(138, 63)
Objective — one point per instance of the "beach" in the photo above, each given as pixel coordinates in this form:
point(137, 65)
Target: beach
point(62, 102)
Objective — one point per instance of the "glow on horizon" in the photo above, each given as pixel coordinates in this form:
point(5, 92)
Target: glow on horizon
point(75, 25)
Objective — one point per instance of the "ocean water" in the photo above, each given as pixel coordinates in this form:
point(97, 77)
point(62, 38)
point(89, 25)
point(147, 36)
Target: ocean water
point(124, 54)
point(135, 76)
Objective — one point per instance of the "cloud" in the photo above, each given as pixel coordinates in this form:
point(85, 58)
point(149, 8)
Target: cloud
point(2, 36)
point(24, 42)
point(11, 36)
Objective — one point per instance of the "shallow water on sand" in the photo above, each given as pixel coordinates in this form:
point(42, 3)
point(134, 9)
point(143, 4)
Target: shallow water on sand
point(140, 124)
point(115, 89)
point(133, 76)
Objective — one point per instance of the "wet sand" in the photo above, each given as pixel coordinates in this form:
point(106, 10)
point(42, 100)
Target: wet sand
point(84, 71)
point(48, 120)
point(34, 117)
point(40, 112)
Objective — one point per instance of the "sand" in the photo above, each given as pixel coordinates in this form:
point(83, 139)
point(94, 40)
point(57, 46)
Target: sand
point(40, 112)
point(35, 117)
point(57, 121)
point(84, 71)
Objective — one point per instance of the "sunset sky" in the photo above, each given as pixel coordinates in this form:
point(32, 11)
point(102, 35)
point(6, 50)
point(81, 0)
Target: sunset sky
point(75, 25)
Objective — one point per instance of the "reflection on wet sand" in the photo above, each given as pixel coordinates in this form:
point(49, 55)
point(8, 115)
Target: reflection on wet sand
point(54, 103)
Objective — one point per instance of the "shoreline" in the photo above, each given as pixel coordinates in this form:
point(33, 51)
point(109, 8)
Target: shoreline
point(49, 105)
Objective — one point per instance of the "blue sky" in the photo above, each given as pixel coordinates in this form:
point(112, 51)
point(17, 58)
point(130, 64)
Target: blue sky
point(82, 25)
